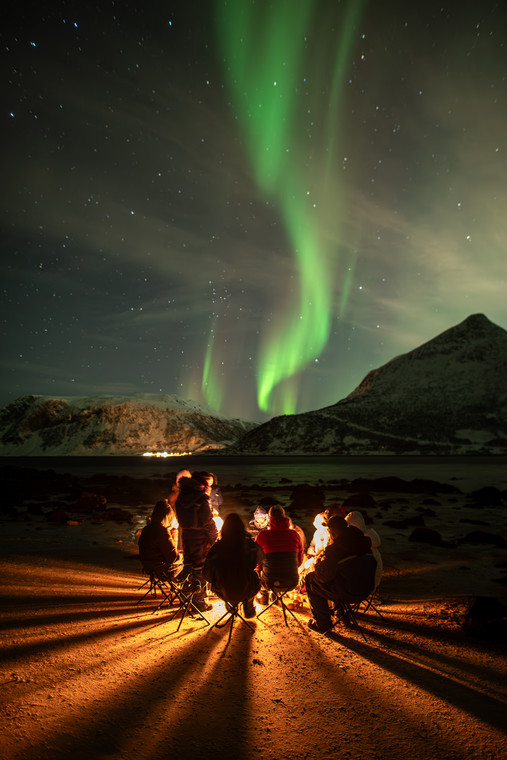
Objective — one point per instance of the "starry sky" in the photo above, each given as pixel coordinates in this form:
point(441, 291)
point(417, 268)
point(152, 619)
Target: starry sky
point(246, 203)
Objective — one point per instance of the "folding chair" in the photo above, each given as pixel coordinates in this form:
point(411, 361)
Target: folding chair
point(346, 611)
point(231, 613)
point(157, 580)
point(170, 589)
point(369, 604)
point(185, 590)
point(358, 583)
point(278, 594)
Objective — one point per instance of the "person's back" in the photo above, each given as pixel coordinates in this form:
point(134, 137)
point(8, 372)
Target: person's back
point(193, 508)
point(230, 565)
point(282, 551)
point(346, 541)
point(156, 549)
point(198, 531)
point(344, 572)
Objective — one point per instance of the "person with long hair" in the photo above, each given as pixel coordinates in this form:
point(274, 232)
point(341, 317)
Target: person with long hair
point(230, 565)
point(156, 549)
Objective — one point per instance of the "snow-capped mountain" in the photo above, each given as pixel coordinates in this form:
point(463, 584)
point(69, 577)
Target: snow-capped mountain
point(119, 425)
point(449, 396)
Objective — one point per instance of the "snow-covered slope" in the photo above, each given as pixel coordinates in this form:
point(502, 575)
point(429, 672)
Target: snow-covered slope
point(120, 425)
point(447, 396)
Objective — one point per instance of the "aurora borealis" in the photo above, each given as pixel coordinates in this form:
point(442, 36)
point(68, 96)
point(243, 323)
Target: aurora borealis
point(269, 60)
point(246, 203)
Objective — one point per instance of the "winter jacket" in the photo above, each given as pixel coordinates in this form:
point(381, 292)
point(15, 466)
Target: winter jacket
point(156, 548)
point(229, 579)
point(357, 520)
point(193, 509)
point(350, 543)
point(282, 552)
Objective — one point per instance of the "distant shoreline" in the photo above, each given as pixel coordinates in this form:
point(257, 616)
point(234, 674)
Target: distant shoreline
point(465, 471)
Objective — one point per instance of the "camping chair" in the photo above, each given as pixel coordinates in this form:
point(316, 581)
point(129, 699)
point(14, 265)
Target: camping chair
point(231, 613)
point(278, 594)
point(185, 590)
point(346, 611)
point(157, 579)
point(171, 588)
point(357, 585)
point(368, 604)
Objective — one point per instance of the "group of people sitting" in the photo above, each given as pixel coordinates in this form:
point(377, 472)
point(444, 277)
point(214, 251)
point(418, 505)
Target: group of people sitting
point(241, 564)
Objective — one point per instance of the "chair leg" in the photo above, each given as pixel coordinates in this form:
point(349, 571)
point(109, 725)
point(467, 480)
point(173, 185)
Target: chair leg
point(151, 590)
point(369, 603)
point(279, 598)
point(346, 610)
point(148, 580)
point(231, 613)
point(159, 583)
point(190, 606)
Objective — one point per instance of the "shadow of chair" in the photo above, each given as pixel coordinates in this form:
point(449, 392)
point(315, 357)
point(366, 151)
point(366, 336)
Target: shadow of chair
point(172, 587)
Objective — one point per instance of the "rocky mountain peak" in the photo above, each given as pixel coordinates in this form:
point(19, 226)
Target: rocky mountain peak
point(448, 396)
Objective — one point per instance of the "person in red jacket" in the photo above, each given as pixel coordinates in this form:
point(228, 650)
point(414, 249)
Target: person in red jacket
point(282, 554)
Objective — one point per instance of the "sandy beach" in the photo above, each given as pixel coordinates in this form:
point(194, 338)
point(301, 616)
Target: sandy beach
point(89, 673)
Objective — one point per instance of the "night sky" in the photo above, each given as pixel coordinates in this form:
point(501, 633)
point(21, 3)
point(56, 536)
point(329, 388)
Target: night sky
point(249, 204)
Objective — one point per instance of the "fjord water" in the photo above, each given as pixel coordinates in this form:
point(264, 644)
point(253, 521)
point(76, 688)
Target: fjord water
point(467, 473)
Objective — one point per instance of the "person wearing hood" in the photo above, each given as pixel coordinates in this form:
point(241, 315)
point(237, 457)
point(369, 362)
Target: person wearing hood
point(357, 520)
point(344, 571)
point(282, 553)
point(321, 536)
point(198, 531)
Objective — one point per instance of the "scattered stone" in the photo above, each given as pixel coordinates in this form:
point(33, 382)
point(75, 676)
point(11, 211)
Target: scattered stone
point(489, 496)
point(58, 516)
point(359, 501)
point(483, 537)
point(486, 617)
point(428, 536)
point(89, 502)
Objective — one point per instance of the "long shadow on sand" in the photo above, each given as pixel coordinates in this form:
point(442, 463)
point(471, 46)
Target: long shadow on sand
point(412, 664)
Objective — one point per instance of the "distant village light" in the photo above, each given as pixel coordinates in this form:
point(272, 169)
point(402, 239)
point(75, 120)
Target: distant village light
point(166, 454)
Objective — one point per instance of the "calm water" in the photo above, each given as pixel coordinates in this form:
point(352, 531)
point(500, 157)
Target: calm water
point(467, 473)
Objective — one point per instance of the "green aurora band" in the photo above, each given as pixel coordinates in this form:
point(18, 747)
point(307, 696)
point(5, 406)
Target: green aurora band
point(286, 71)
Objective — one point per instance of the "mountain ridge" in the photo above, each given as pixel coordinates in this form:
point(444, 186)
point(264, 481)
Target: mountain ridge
point(117, 425)
point(447, 396)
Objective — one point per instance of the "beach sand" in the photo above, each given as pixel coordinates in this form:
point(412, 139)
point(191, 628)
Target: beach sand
point(89, 673)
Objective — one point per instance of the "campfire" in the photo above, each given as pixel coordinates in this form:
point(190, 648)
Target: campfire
point(320, 537)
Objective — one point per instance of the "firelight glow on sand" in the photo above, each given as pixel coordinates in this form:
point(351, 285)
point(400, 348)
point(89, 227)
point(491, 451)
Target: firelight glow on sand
point(280, 70)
